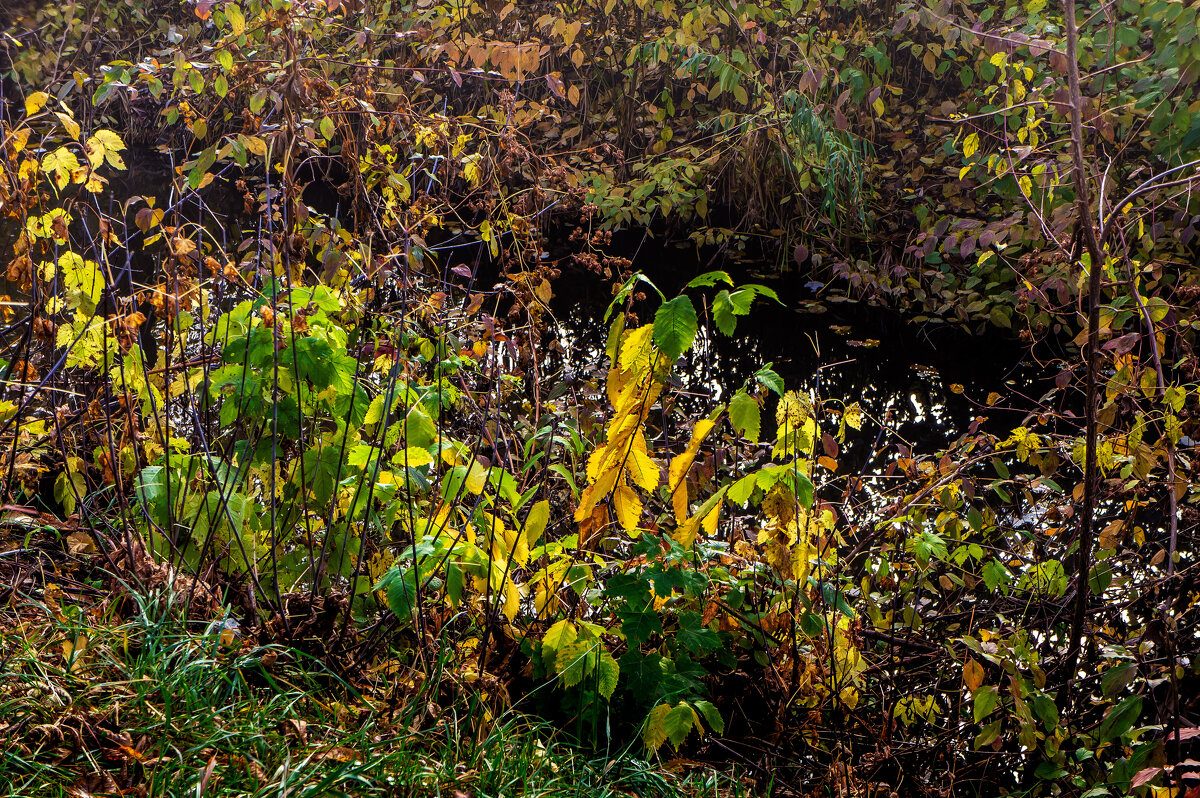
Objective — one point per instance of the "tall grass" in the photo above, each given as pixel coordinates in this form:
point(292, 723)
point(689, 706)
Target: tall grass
point(130, 697)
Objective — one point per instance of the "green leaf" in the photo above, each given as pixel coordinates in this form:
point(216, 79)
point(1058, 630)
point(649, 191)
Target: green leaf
point(767, 376)
point(643, 674)
point(678, 722)
point(1100, 577)
point(986, 697)
point(740, 491)
point(710, 279)
point(711, 716)
point(314, 361)
point(1120, 719)
point(608, 673)
point(638, 625)
point(576, 659)
point(1044, 708)
point(804, 491)
point(655, 732)
point(560, 634)
point(836, 598)
point(723, 314)
point(746, 416)
point(989, 734)
point(995, 575)
point(401, 590)
point(694, 636)
point(675, 326)
point(1049, 771)
point(419, 429)
point(1117, 678)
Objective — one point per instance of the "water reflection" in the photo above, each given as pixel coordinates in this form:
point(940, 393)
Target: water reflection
point(925, 382)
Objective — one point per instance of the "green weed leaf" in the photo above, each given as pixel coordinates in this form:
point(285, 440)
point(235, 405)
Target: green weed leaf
point(675, 326)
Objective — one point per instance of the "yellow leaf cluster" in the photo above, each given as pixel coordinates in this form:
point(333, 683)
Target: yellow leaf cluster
point(681, 463)
point(633, 387)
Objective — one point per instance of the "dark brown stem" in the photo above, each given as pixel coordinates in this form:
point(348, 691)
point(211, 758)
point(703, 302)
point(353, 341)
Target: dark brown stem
point(1095, 269)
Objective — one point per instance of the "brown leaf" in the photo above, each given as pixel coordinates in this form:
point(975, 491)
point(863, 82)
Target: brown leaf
point(204, 8)
point(829, 444)
point(1123, 344)
point(1144, 776)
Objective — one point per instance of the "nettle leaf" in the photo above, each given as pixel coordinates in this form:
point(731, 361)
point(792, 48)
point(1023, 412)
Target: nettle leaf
point(400, 588)
point(314, 361)
point(560, 634)
point(675, 326)
point(746, 416)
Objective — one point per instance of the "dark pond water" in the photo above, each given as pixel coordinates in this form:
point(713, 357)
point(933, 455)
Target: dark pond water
point(924, 381)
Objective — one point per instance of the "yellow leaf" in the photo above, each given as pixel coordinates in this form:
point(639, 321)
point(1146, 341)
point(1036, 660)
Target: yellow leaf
point(853, 415)
point(680, 465)
point(972, 675)
point(517, 549)
point(999, 59)
point(628, 507)
point(35, 102)
point(109, 139)
point(535, 522)
point(642, 469)
point(476, 478)
point(414, 457)
point(971, 145)
point(878, 106)
point(635, 349)
point(593, 493)
point(512, 600)
point(18, 139)
point(95, 151)
point(69, 123)
point(255, 144)
point(237, 21)
point(73, 652)
point(687, 532)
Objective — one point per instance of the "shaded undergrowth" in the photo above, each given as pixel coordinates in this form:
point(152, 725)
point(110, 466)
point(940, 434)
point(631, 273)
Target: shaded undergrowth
point(124, 695)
